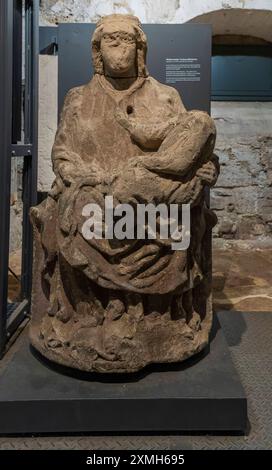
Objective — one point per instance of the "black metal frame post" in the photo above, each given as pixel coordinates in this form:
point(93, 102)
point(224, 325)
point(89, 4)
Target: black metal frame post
point(6, 41)
point(13, 145)
point(31, 138)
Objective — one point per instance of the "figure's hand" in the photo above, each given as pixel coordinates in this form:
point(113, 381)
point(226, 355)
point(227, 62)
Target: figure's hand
point(123, 119)
point(208, 173)
point(71, 173)
point(68, 172)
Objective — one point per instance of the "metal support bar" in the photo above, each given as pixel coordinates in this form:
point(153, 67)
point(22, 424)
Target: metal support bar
point(16, 317)
point(6, 33)
point(11, 28)
point(17, 71)
point(31, 137)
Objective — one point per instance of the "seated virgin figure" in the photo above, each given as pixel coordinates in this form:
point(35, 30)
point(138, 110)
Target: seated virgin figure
point(108, 304)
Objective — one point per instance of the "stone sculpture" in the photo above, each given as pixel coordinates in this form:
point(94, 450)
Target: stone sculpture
point(110, 305)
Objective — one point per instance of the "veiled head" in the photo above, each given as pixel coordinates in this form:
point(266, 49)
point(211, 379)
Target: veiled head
point(119, 45)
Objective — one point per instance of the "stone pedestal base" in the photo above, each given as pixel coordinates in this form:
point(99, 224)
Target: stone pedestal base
point(203, 393)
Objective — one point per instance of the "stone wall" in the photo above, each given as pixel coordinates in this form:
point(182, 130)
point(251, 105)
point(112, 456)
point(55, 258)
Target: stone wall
point(243, 196)
point(245, 17)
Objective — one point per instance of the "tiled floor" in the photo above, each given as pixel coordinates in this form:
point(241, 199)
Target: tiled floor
point(242, 281)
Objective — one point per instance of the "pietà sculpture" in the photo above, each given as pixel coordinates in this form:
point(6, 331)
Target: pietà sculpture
point(111, 305)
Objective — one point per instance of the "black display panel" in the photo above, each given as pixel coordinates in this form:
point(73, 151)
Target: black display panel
point(242, 73)
point(179, 55)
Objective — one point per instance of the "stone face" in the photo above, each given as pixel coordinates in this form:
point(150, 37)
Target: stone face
point(111, 304)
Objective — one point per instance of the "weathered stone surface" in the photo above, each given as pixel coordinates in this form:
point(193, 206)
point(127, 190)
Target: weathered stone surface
point(112, 305)
point(48, 99)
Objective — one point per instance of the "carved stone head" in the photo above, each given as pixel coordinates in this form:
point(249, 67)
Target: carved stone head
point(119, 47)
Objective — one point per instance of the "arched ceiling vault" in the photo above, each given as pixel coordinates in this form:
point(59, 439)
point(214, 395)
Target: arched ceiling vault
point(240, 22)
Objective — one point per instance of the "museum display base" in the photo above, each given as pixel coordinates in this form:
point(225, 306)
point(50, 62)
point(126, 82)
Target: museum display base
point(201, 394)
